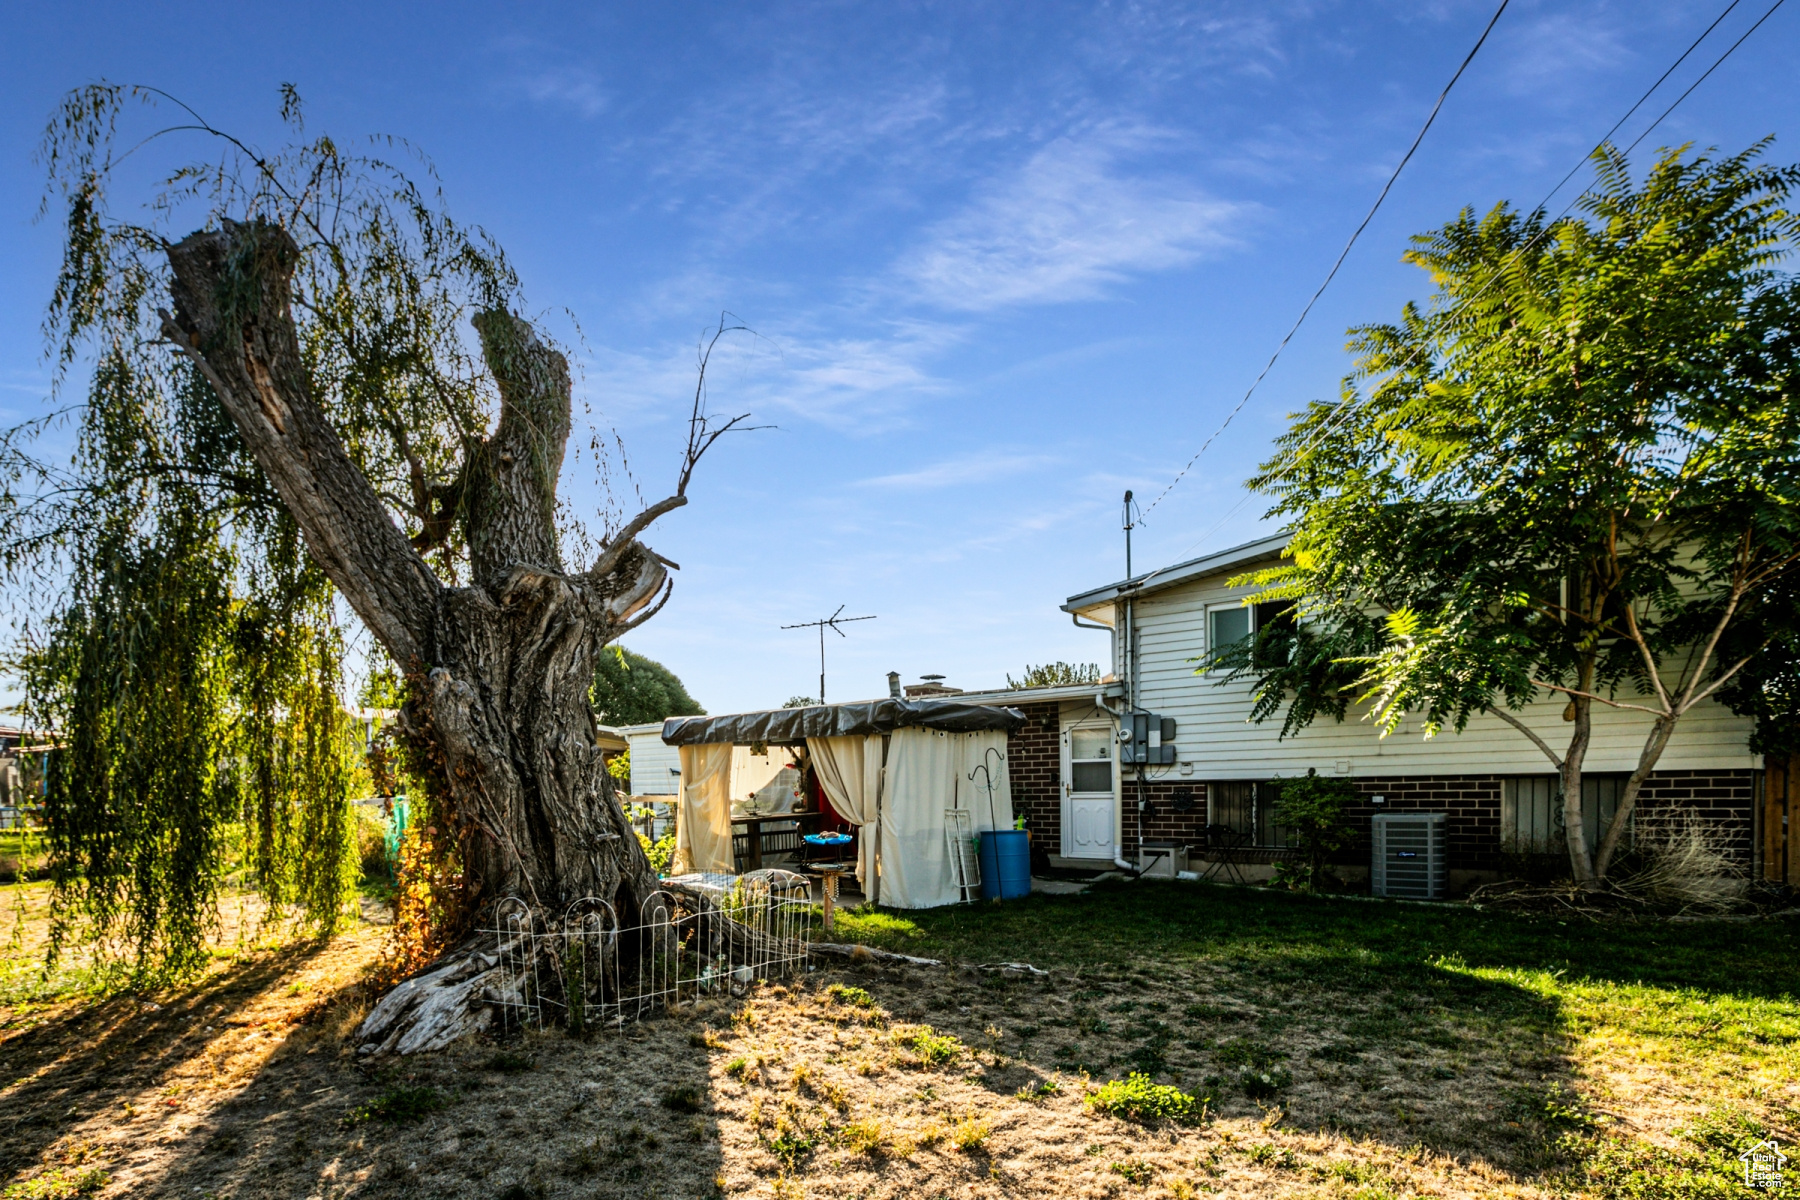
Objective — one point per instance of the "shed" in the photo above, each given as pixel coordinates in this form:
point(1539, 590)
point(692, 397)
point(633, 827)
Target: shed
point(913, 777)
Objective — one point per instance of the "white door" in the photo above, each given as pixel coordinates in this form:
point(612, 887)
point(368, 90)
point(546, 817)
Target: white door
point(1087, 807)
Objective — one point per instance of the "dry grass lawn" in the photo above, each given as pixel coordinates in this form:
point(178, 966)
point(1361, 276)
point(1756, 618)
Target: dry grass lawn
point(1334, 1048)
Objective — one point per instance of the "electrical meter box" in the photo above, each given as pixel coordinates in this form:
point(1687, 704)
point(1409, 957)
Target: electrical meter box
point(1147, 739)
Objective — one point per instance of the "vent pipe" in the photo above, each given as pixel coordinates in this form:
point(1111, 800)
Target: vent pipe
point(894, 684)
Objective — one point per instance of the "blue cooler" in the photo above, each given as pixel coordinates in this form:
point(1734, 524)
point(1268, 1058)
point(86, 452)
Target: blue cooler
point(1005, 864)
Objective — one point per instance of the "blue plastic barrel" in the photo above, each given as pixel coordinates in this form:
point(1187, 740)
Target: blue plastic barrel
point(1005, 864)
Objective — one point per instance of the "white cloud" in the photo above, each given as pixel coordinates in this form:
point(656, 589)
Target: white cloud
point(1064, 227)
point(567, 86)
point(960, 472)
point(857, 384)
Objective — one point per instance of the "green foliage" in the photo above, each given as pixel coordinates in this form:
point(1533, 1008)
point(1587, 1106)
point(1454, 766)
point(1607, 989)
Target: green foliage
point(1056, 674)
point(856, 997)
point(1312, 806)
point(1135, 1098)
point(933, 1049)
point(799, 702)
point(619, 767)
point(661, 852)
point(184, 647)
point(630, 689)
point(1564, 475)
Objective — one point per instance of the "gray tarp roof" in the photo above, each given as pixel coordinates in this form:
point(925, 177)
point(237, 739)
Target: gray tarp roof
point(840, 720)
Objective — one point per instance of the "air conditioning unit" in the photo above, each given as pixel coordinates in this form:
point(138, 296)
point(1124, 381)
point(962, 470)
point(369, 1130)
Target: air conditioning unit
point(1409, 860)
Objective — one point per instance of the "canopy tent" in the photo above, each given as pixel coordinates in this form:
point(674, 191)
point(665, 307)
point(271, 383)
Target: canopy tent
point(894, 768)
point(795, 725)
point(717, 779)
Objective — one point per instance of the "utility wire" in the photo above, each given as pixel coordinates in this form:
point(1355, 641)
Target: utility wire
point(1347, 409)
point(1342, 254)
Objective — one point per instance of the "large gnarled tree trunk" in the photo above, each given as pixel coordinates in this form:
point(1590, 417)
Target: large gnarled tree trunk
point(506, 662)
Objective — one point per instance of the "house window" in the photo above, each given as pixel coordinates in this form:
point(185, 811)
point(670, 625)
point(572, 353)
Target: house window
point(1091, 760)
point(1226, 627)
point(1245, 809)
point(1229, 625)
point(1531, 816)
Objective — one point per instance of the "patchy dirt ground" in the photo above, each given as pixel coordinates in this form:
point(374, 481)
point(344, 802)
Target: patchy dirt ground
point(855, 1082)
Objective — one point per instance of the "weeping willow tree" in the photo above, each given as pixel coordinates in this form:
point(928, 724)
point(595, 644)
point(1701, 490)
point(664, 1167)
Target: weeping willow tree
point(285, 416)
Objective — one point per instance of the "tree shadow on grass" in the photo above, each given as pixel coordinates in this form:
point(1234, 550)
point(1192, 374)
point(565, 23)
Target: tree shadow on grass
point(74, 1074)
point(516, 1117)
point(1436, 1028)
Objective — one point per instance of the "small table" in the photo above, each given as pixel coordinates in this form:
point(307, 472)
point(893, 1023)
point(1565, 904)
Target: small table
point(828, 877)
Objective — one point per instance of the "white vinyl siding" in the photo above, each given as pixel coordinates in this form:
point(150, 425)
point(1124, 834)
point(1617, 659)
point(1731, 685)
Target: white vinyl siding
point(1214, 734)
point(653, 764)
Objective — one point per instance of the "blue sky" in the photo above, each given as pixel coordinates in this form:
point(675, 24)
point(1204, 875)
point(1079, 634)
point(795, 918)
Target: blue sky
point(1003, 260)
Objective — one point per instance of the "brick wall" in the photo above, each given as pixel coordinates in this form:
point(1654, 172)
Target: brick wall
point(1034, 765)
point(1723, 798)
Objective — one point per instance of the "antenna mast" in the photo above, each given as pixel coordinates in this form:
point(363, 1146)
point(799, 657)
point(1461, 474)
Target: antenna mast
point(832, 622)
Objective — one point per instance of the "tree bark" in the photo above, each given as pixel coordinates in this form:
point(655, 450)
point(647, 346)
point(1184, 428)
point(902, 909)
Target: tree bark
point(500, 668)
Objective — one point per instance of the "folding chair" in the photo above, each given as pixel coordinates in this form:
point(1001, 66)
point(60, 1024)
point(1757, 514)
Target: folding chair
point(1225, 846)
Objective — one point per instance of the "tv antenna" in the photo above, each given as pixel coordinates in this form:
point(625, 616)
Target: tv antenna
point(832, 622)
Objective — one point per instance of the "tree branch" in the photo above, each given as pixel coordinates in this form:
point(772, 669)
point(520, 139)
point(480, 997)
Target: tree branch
point(1569, 691)
point(1528, 732)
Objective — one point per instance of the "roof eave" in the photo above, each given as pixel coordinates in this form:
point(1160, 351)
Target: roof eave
point(1167, 577)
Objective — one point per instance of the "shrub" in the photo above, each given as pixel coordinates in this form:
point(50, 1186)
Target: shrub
point(1135, 1098)
point(1313, 808)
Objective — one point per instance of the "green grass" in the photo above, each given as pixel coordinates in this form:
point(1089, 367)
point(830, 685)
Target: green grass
point(58, 1183)
point(1536, 1018)
point(1311, 939)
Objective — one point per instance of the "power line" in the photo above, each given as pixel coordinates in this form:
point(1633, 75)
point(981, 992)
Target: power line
point(1347, 409)
point(1342, 254)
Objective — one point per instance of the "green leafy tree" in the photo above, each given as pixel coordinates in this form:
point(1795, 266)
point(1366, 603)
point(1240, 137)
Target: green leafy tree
point(1574, 473)
point(1056, 674)
point(306, 385)
point(1313, 807)
point(630, 689)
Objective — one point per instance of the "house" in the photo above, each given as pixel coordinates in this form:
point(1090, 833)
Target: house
point(1214, 768)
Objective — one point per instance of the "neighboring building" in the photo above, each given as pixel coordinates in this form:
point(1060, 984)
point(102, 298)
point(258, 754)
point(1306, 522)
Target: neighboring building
point(1496, 787)
point(655, 767)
